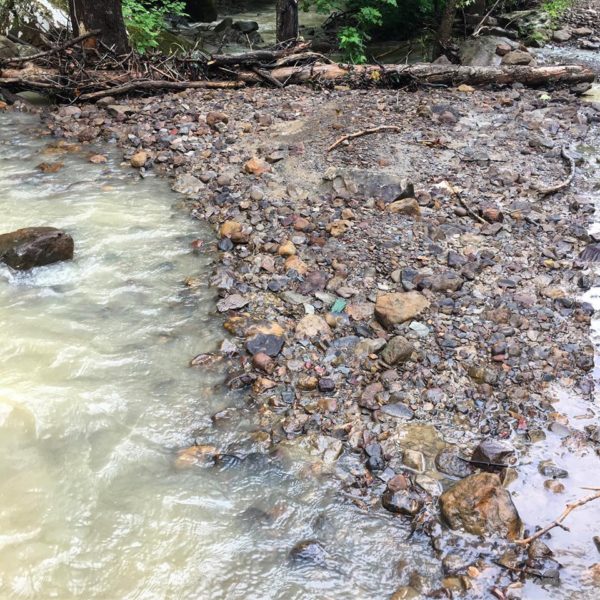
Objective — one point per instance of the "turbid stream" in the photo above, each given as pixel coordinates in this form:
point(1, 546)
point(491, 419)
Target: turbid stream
point(96, 396)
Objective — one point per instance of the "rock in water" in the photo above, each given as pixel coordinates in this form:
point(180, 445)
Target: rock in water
point(308, 552)
point(35, 247)
point(480, 505)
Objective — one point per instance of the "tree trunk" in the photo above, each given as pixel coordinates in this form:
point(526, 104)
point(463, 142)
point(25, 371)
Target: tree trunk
point(399, 75)
point(287, 20)
point(105, 15)
point(444, 32)
point(203, 11)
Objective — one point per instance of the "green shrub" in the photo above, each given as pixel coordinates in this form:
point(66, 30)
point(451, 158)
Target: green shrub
point(555, 9)
point(146, 20)
point(365, 15)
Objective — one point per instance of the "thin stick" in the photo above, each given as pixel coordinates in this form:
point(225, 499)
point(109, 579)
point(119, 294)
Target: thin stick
point(463, 203)
point(558, 522)
point(563, 184)
point(353, 136)
point(73, 42)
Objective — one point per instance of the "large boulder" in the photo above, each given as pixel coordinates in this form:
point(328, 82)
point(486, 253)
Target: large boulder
point(34, 247)
point(481, 506)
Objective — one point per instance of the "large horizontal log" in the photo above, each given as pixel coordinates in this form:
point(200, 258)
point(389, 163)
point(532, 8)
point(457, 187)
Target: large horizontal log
point(427, 73)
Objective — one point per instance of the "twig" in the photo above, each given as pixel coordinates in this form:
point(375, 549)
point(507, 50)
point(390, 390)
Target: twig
point(73, 42)
point(563, 184)
point(463, 203)
point(353, 136)
point(558, 522)
point(480, 24)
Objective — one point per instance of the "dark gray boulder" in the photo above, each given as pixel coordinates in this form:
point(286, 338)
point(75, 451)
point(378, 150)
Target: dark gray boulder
point(35, 247)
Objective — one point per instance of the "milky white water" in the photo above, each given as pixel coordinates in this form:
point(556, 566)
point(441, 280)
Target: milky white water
point(96, 396)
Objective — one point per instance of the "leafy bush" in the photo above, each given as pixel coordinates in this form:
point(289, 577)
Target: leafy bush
point(365, 15)
point(145, 20)
point(555, 9)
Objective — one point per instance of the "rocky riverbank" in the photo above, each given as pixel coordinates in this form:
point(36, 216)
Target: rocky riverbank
point(419, 278)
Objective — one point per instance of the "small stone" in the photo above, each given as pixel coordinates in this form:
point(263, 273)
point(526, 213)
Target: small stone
point(397, 350)
point(561, 35)
point(212, 118)
point(448, 461)
point(50, 167)
point(256, 166)
point(233, 302)
point(414, 460)
point(97, 159)
point(556, 487)
point(308, 552)
point(549, 469)
point(406, 206)
point(139, 159)
point(294, 263)
point(286, 249)
point(517, 57)
point(312, 326)
point(398, 410)
point(396, 308)
point(262, 361)
point(403, 502)
point(494, 452)
point(582, 31)
point(503, 49)
point(326, 385)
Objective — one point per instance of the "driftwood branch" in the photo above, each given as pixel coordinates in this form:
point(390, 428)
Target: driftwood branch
point(56, 50)
point(558, 521)
point(546, 191)
point(135, 86)
point(353, 136)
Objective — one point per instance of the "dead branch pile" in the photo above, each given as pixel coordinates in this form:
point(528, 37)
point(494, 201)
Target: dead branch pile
point(77, 70)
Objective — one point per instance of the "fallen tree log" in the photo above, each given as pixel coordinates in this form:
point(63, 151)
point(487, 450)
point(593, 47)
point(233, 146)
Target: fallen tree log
point(394, 75)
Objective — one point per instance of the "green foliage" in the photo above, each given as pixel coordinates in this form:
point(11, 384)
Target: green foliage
point(366, 14)
point(146, 20)
point(555, 9)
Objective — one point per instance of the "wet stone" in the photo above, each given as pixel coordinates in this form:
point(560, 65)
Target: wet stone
point(448, 461)
point(268, 344)
point(494, 452)
point(403, 502)
point(548, 469)
point(308, 552)
point(398, 410)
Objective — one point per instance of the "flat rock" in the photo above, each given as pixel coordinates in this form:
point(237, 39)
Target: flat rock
point(517, 57)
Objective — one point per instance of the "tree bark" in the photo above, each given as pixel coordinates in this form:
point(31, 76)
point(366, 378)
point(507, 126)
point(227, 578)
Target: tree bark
point(444, 32)
point(287, 20)
point(400, 75)
point(105, 15)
